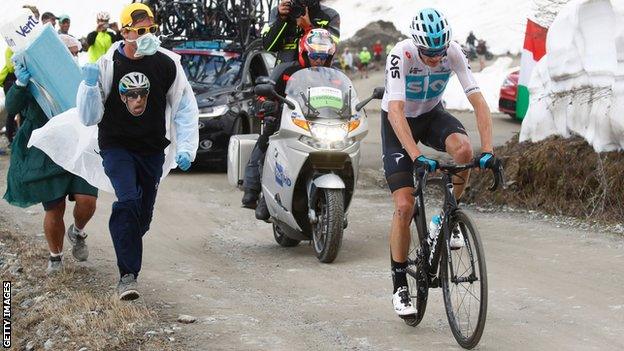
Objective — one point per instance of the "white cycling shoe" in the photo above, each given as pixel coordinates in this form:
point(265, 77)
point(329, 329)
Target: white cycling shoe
point(403, 303)
point(457, 239)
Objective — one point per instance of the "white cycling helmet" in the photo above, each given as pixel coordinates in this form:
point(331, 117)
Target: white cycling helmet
point(133, 80)
point(103, 16)
point(430, 30)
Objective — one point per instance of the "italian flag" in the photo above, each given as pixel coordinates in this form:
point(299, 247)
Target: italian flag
point(533, 51)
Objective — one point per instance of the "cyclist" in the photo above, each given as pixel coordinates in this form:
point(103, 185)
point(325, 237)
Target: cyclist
point(317, 48)
point(417, 72)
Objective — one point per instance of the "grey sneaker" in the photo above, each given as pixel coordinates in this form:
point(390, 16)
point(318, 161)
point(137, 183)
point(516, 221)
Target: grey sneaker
point(79, 246)
point(127, 288)
point(55, 265)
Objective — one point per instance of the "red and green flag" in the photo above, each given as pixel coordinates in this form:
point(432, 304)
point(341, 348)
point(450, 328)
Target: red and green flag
point(533, 51)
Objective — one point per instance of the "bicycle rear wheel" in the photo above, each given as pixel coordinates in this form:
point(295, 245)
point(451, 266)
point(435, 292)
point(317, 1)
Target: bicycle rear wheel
point(464, 283)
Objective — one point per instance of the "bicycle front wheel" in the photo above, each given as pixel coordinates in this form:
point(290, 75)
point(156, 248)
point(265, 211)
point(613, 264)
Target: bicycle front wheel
point(416, 270)
point(463, 276)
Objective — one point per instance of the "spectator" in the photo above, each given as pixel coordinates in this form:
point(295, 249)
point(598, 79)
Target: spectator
point(7, 75)
point(72, 44)
point(389, 48)
point(365, 58)
point(347, 58)
point(138, 96)
point(48, 17)
point(481, 51)
point(470, 42)
point(34, 178)
point(7, 79)
point(377, 52)
point(64, 23)
point(471, 39)
point(101, 39)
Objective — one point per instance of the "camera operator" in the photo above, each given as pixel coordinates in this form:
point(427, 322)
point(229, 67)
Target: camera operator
point(291, 19)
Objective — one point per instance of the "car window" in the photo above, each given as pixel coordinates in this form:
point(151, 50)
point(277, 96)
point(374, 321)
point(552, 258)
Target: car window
point(213, 70)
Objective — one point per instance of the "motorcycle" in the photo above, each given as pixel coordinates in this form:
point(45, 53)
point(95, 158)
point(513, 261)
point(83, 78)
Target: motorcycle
point(311, 164)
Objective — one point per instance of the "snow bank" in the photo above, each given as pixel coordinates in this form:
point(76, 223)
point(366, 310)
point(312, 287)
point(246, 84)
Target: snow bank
point(578, 87)
point(500, 23)
point(490, 81)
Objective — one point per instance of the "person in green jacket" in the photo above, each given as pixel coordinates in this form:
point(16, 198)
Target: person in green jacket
point(365, 58)
point(34, 178)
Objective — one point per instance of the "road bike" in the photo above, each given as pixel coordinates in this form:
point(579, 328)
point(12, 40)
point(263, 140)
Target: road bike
point(461, 273)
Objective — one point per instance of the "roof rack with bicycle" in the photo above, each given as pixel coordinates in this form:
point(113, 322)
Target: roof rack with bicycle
point(226, 24)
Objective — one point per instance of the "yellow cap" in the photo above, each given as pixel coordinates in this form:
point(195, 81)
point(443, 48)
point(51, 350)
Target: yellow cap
point(126, 13)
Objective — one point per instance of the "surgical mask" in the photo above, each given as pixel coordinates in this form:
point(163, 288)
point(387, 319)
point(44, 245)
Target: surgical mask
point(147, 45)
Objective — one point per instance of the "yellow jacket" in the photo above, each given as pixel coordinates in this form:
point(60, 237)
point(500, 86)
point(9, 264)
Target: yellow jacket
point(8, 67)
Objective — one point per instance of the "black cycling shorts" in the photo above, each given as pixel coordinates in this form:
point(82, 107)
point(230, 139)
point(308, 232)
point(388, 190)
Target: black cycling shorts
point(431, 128)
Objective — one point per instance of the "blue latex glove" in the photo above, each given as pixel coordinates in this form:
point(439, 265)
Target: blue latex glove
point(423, 161)
point(183, 159)
point(487, 160)
point(21, 72)
point(90, 74)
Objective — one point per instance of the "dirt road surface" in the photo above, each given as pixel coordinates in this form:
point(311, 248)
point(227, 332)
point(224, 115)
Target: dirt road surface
point(550, 287)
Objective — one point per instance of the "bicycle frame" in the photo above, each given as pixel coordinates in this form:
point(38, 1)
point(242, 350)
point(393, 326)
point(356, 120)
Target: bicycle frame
point(430, 257)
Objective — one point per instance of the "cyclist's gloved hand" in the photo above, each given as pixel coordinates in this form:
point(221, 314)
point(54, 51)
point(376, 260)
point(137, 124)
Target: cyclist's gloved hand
point(90, 74)
point(423, 161)
point(21, 72)
point(183, 159)
point(487, 160)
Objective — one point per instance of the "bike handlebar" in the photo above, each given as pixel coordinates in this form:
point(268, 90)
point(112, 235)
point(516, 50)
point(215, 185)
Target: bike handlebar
point(497, 171)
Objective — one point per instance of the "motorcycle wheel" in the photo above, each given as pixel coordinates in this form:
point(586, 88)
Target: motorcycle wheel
point(282, 239)
point(328, 229)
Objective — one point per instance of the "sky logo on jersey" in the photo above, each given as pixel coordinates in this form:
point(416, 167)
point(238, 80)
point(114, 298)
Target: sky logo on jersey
point(425, 87)
point(394, 67)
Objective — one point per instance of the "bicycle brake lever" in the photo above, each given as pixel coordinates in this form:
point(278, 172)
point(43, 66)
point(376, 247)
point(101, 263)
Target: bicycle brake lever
point(499, 178)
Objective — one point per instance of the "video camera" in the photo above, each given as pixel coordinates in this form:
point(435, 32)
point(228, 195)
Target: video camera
point(298, 7)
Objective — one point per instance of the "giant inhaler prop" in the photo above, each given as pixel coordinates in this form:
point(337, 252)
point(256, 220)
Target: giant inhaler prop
point(54, 74)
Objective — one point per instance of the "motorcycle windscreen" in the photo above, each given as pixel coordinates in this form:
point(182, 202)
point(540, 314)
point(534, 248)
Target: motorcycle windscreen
point(323, 93)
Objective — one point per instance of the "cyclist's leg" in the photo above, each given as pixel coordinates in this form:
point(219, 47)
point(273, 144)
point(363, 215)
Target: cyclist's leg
point(398, 172)
point(399, 175)
point(459, 147)
point(447, 134)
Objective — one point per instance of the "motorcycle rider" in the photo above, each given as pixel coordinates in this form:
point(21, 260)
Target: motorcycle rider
point(284, 32)
point(417, 72)
point(317, 48)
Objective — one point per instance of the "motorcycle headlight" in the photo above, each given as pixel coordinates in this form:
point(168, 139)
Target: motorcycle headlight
point(328, 136)
point(211, 112)
point(329, 132)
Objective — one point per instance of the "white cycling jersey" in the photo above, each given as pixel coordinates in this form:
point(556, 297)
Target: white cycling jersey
point(420, 86)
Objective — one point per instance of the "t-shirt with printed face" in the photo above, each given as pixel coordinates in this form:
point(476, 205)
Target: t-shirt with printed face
point(421, 87)
point(134, 112)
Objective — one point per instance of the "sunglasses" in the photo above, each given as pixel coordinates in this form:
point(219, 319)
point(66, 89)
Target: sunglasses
point(65, 21)
point(433, 53)
point(318, 56)
point(134, 94)
point(142, 30)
